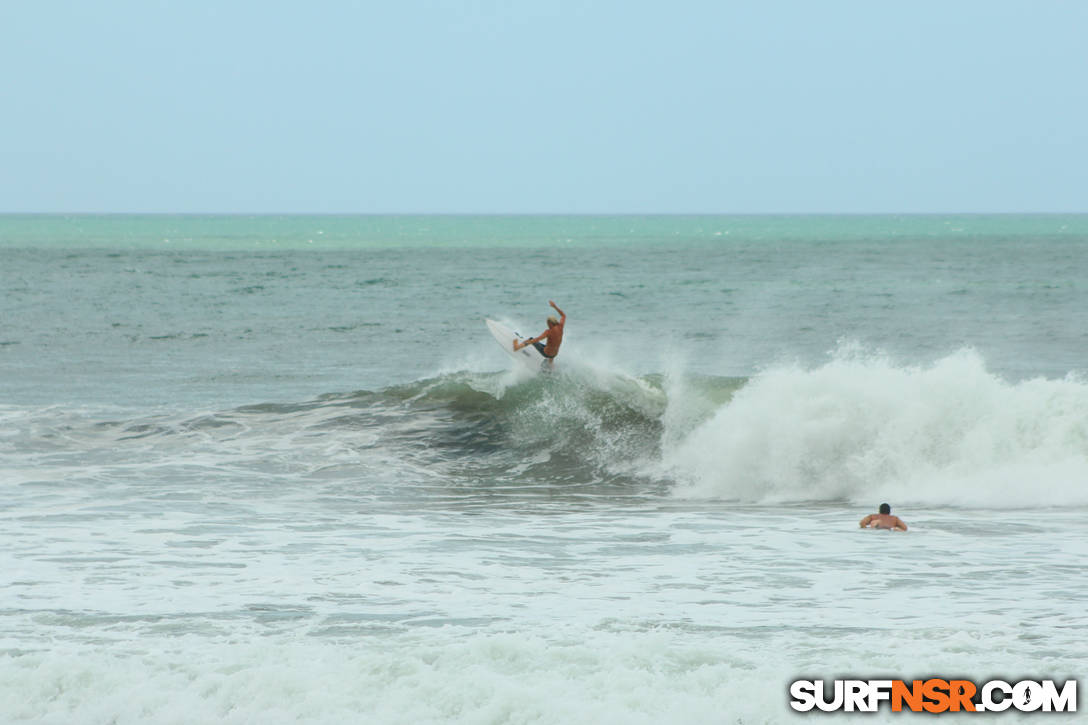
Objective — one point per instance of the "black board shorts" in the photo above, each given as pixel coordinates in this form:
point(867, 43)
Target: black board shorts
point(540, 348)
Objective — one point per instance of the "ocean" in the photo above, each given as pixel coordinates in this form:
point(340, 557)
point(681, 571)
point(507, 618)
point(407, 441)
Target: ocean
point(274, 469)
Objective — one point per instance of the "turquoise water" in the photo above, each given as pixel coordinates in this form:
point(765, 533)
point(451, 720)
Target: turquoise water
point(243, 232)
point(276, 469)
point(243, 309)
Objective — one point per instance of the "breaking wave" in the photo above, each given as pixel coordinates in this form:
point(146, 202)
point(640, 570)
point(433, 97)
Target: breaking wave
point(863, 429)
point(860, 428)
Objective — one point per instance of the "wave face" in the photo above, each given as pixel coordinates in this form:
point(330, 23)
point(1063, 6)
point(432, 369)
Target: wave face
point(460, 435)
point(581, 429)
point(859, 428)
point(863, 429)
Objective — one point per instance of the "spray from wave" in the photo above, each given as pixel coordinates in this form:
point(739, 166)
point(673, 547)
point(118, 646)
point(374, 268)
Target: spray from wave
point(863, 429)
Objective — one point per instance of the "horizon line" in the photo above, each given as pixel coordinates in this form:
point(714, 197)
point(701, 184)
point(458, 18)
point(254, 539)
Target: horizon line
point(543, 213)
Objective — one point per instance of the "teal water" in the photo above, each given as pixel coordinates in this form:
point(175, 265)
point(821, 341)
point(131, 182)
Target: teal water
point(244, 232)
point(246, 309)
point(275, 469)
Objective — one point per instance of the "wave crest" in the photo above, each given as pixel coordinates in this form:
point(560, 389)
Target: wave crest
point(861, 429)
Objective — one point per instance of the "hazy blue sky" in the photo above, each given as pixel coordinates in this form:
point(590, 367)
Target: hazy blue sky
point(544, 106)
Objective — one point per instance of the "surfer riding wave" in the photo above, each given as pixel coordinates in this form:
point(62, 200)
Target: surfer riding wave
point(553, 335)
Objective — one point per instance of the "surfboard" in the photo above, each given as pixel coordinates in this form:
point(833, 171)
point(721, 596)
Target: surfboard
point(529, 357)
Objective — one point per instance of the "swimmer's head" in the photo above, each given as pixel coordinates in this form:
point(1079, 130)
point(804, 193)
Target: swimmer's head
point(552, 321)
point(885, 508)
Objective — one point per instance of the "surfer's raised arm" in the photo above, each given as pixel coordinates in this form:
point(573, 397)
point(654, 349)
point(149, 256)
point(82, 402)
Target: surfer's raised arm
point(562, 315)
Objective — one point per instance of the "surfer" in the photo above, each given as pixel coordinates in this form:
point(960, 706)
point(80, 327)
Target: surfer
point(554, 336)
point(883, 520)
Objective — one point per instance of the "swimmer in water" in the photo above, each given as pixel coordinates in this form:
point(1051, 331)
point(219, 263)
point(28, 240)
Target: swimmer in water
point(883, 520)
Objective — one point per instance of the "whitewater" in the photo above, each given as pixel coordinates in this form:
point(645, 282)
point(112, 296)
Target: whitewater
point(251, 479)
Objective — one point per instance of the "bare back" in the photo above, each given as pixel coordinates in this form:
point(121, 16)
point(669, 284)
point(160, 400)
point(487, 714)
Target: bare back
point(883, 521)
point(553, 339)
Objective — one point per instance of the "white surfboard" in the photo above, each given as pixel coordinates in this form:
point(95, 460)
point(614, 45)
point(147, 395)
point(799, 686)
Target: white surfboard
point(529, 356)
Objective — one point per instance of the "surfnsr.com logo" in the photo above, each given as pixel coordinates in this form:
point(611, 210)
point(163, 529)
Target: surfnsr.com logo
point(933, 695)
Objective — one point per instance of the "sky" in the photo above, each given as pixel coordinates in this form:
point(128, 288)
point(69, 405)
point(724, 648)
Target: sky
point(545, 106)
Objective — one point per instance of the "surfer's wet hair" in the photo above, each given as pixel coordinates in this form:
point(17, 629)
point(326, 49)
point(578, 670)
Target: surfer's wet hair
point(885, 508)
point(552, 320)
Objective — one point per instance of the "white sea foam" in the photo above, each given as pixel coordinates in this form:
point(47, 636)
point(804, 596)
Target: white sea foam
point(601, 617)
point(620, 678)
point(862, 428)
point(431, 677)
